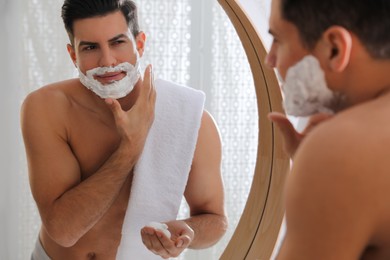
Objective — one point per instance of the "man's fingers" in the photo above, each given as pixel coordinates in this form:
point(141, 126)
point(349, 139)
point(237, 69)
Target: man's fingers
point(147, 96)
point(291, 138)
point(283, 124)
point(183, 241)
point(156, 241)
point(173, 249)
point(148, 82)
point(317, 118)
point(148, 73)
point(147, 99)
point(165, 241)
point(114, 106)
point(152, 92)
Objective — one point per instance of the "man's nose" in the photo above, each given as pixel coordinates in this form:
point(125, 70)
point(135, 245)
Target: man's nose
point(107, 58)
point(270, 60)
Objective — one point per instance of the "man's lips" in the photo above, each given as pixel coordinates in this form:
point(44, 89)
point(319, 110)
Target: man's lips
point(110, 77)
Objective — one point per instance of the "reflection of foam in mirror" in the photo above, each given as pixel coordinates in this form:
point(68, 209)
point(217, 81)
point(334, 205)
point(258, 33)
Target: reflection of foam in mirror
point(183, 46)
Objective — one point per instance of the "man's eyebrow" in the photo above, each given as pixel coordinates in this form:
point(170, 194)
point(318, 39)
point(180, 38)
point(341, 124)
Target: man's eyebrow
point(119, 36)
point(271, 32)
point(86, 43)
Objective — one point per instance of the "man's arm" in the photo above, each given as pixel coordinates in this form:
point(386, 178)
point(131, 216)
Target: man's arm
point(205, 192)
point(329, 212)
point(69, 206)
point(205, 196)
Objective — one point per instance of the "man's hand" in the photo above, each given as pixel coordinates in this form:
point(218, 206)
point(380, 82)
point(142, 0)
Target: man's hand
point(133, 125)
point(159, 244)
point(291, 138)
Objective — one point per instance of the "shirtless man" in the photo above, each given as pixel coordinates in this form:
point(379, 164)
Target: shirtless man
point(337, 192)
point(82, 148)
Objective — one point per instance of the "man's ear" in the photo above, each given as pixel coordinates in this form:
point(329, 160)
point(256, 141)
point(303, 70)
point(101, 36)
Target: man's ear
point(339, 46)
point(140, 40)
point(72, 53)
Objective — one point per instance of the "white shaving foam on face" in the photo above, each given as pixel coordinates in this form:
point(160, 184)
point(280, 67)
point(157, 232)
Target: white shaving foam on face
point(305, 89)
point(160, 226)
point(116, 89)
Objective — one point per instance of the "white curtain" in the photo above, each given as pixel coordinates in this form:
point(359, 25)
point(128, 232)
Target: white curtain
point(12, 162)
point(188, 41)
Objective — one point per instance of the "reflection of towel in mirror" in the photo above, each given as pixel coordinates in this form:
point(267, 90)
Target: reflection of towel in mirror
point(161, 173)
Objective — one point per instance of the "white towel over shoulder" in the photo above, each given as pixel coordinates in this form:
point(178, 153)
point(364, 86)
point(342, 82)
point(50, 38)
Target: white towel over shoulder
point(161, 173)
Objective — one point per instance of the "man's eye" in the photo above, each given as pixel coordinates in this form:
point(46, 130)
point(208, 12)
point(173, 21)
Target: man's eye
point(118, 42)
point(89, 48)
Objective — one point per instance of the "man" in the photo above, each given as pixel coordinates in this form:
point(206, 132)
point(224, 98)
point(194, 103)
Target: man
point(85, 138)
point(336, 194)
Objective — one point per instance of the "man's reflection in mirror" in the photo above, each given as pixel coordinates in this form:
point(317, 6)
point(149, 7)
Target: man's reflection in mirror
point(112, 153)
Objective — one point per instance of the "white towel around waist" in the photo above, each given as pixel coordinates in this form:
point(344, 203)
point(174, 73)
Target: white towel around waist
point(161, 173)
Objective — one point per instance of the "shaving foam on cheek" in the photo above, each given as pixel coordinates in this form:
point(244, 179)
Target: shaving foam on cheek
point(116, 89)
point(305, 90)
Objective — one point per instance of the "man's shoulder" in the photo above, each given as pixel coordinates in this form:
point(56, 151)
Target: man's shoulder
point(53, 91)
point(52, 98)
point(342, 164)
point(346, 148)
point(342, 134)
point(359, 126)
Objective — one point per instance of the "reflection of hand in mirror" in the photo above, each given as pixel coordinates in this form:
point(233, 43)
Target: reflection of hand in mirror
point(159, 243)
point(291, 137)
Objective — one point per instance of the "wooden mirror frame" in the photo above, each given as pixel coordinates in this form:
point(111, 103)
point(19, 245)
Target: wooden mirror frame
point(259, 225)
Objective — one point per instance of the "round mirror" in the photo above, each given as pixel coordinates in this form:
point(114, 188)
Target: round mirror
point(46, 60)
point(258, 229)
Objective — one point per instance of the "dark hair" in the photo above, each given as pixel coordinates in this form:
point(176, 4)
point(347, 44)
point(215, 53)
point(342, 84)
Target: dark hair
point(73, 10)
point(367, 19)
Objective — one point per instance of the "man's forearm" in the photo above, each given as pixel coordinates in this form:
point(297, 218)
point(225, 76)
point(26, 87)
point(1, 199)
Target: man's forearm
point(208, 229)
point(80, 208)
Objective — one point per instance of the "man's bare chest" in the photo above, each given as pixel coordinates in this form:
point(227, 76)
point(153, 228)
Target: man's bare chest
point(92, 140)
